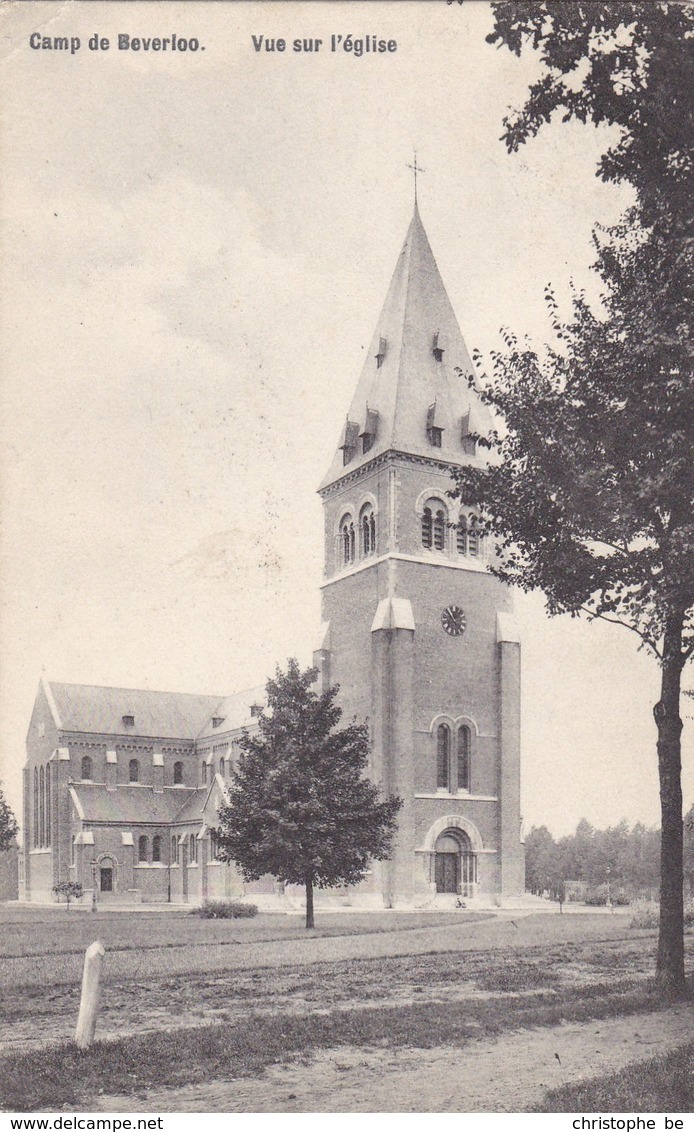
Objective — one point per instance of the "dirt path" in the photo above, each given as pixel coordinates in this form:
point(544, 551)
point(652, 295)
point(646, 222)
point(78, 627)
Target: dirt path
point(509, 1075)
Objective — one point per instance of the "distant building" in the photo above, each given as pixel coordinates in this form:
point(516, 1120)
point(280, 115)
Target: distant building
point(125, 786)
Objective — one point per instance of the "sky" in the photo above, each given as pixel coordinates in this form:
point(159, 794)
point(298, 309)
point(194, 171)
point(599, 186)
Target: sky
point(197, 247)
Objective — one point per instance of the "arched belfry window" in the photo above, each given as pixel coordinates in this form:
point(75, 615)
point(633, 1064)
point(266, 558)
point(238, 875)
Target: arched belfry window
point(87, 767)
point(443, 752)
point(348, 540)
point(192, 849)
point(178, 773)
point(174, 850)
point(142, 848)
point(473, 539)
point(464, 757)
point(461, 535)
point(156, 848)
point(468, 539)
point(367, 530)
point(134, 770)
point(434, 523)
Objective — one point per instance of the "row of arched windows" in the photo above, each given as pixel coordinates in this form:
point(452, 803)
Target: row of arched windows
point(143, 856)
point(453, 767)
point(42, 807)
point(225, 766)
point(357, 539)
point(87, 771)
point(435, 526)
point(143, 849)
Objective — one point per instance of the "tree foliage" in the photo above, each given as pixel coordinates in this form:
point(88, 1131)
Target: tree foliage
point(590, 495)
point(8, 823)
point(299, 806)
point(632, 857)
point(627, 65)
point(591, 499)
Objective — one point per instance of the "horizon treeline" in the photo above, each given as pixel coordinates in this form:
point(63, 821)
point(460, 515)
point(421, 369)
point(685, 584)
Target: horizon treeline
point(623, 857)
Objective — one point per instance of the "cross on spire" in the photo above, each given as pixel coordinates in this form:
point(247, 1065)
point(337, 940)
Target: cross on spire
point(415, 169)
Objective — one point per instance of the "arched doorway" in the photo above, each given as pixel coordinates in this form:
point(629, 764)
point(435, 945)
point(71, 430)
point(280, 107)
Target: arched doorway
point(455, 864)
point(107, 875)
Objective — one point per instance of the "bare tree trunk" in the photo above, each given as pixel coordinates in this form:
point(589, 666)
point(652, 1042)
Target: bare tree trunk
point(670, 963)
point(310, 923)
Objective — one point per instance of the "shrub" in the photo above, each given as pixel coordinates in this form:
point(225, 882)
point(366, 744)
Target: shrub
point(225, 910)
point(596, 897)
point(644, 914)
point(70, 889)
point(620, 898)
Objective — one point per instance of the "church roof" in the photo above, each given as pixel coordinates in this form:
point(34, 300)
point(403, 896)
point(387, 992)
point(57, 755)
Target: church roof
point(136, 805)
point(163, 715)
point(409, 381)
point(234, 712)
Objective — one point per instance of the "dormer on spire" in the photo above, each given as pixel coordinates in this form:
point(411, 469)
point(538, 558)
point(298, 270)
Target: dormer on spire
point(370, 430)
point(434, 425)
point(421, 360)
point(349, 440)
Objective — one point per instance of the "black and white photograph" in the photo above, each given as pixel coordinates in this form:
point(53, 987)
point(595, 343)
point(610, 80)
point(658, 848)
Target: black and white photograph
point(347, 561)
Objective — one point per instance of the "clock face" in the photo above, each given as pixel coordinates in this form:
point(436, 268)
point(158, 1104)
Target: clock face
point(453, 620)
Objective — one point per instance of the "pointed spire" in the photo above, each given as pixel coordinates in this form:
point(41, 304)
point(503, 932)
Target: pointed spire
point(417, 362)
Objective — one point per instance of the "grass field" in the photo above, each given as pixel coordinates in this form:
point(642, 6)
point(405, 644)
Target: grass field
point(660, 1084)
point(38, 931)
point(264, 991)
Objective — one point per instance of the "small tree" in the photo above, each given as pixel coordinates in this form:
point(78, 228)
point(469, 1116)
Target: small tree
point(299, 806)
point(70, 889)
point(8, 823)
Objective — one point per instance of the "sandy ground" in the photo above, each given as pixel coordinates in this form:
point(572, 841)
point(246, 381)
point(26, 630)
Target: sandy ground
point(509, 1075)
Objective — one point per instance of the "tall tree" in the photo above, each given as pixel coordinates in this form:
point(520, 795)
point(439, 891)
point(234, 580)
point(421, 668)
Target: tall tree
point(299, 805)
point(689, 851)
point(591, 495)
point(8, 823)
point(540, 860)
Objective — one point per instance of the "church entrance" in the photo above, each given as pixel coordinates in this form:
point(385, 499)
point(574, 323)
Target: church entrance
point(106, 874)
point(455, 865)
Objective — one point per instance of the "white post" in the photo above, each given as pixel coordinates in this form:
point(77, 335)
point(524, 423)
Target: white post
point(91, 993)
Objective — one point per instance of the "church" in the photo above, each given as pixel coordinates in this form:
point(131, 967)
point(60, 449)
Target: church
point(122, 787)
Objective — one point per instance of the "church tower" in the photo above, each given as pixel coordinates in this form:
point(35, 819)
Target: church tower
point(419, 636)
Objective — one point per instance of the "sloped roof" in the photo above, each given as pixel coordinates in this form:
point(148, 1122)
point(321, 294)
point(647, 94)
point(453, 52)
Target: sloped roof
point(416, 316)
point(133, 805)
point(234, 711)
point(193, 807)
point(163, 715)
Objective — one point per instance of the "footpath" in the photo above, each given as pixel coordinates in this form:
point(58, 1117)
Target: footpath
point(511, 1074)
